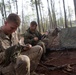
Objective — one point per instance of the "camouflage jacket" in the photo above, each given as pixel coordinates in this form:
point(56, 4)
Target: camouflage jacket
point(5, 41)
point(7, 46)
point(29, 37)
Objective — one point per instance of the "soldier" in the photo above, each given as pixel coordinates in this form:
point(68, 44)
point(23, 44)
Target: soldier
point(17, 59)
point(33, 37)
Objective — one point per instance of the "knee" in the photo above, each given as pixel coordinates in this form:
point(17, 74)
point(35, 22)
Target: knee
point(39, 48)
point(22, 62)
point(23, 59)
point(41, 43)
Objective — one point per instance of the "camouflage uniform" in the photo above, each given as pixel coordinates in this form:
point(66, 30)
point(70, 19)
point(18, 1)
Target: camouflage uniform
point(22, 64)
point(29, 38)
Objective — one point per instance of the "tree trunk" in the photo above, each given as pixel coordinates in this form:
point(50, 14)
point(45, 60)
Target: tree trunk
point(69, 16)
point(10, 6)
point(53, 14)
point(2, 13)
point(16, 6)
point(66, 26)
point(4, 9)
point(50, 18)
point(41, 18)
point(37, 16)
point(75, 8)
point(61, 23)
point(22, 19)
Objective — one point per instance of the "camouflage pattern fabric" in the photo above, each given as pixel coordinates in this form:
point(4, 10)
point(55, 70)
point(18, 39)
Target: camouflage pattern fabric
point(22, 64)
point(29, 37)
point(5, 44)
point(68, 37)
point(34, 54)
point(4, 41)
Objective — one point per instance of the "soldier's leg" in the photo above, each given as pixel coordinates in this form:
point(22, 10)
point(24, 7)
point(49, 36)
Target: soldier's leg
point(2, 57)
point(34, 54)
point(22, 66)
point(8, 70)
point(45, 40)
point(45, 50)
point(42, 44)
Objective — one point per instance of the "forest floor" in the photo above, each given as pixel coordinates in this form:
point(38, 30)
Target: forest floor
point(58, 62)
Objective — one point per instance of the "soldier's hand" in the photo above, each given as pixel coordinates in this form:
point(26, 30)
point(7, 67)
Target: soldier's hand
point(36, 38)
point(27, 47)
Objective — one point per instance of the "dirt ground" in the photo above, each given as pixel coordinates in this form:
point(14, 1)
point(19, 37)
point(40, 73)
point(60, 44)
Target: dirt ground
point(59, 63)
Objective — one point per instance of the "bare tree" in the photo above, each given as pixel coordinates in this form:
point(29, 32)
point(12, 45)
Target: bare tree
point(61, 17)
point(4, 10)
point(2, 13)
point(37, 15)
point(50, 17)
point(10, 6)
point(22, 19)
point(53, 13)
point(69, 16)
point(40, 11)
point(16, 6)
point(65, 14)
point(75, 8)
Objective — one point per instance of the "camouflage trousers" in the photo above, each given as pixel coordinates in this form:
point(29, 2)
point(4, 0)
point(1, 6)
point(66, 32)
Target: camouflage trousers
point(25, 63)
point(42, 44)
point(35, 55)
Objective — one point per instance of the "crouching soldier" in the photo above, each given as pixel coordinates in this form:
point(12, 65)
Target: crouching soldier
point(33, 37)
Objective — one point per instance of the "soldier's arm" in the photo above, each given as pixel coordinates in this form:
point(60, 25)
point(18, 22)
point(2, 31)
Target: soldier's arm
point(11, 53)
point(1, 47)
point(28, 40)
point(40, 35)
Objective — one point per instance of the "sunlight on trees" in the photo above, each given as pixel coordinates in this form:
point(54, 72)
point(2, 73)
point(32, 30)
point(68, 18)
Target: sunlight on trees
point(49, 14)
